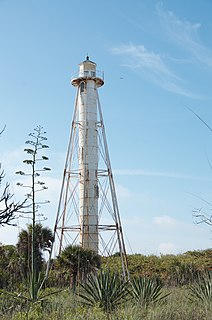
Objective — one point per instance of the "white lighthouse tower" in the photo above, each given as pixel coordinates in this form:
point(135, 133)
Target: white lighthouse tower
point(88, 210)
point(88, 82)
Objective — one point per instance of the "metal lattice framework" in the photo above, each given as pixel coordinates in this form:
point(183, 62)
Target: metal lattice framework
point(68, 225)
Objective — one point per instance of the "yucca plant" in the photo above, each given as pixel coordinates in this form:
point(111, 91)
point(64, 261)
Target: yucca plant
point(105, 289)
point(202, 288)
point(147, 291)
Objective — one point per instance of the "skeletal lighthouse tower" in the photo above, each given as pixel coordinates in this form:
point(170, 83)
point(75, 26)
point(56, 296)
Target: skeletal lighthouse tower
point(88, 210)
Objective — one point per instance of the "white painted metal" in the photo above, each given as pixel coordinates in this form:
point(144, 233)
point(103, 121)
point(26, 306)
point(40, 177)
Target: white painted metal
point(88, 155)
point(88, 209)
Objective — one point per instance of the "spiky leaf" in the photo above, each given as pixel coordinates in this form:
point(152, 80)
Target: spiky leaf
point(105, 289)
point(202, 288)
point(147, 290)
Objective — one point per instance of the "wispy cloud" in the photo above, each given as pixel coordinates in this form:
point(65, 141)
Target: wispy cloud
point(144, 58)
point(153, 67)
point(164, 174)
point(185, 34)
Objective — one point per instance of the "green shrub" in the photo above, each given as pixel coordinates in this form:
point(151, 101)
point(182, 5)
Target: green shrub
point(147, 291)
point(105, 289)
point(202, 288)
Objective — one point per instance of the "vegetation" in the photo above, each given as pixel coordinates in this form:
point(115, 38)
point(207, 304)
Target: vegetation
point(147, 291)
point(37, 242)
point(65, 306)
point(198, 214)
point(105, 296)
point(105, 289)
point(172, 270)
point(202, 288)
point(79, 262)
point(88, 286)
point(43, 239)
point(8, 208)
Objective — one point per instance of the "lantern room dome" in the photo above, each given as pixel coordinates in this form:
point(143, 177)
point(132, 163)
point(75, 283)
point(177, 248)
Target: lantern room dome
point(87, 71)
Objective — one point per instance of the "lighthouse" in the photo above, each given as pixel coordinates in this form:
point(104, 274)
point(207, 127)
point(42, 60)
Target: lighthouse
point(87, 82)
point(88, 213)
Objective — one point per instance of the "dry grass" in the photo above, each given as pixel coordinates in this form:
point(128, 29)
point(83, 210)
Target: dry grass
point(176, 306)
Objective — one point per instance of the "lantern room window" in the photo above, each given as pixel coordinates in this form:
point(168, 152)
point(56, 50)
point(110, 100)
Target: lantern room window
point(82, 87)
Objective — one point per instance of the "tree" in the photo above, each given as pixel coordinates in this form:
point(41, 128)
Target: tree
point(202, 217)
point(43, 242)
point(79, 261)
point(36, 144)
point(9, 272)
point(197, 213)
point(8, 208)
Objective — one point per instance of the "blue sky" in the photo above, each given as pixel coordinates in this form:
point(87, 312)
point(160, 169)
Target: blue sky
point(157, 60)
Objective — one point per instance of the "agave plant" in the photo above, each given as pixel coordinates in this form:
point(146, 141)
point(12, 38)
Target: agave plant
point(105, 289)
point(147, 290)
point(202, 288)
point(26, 301)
